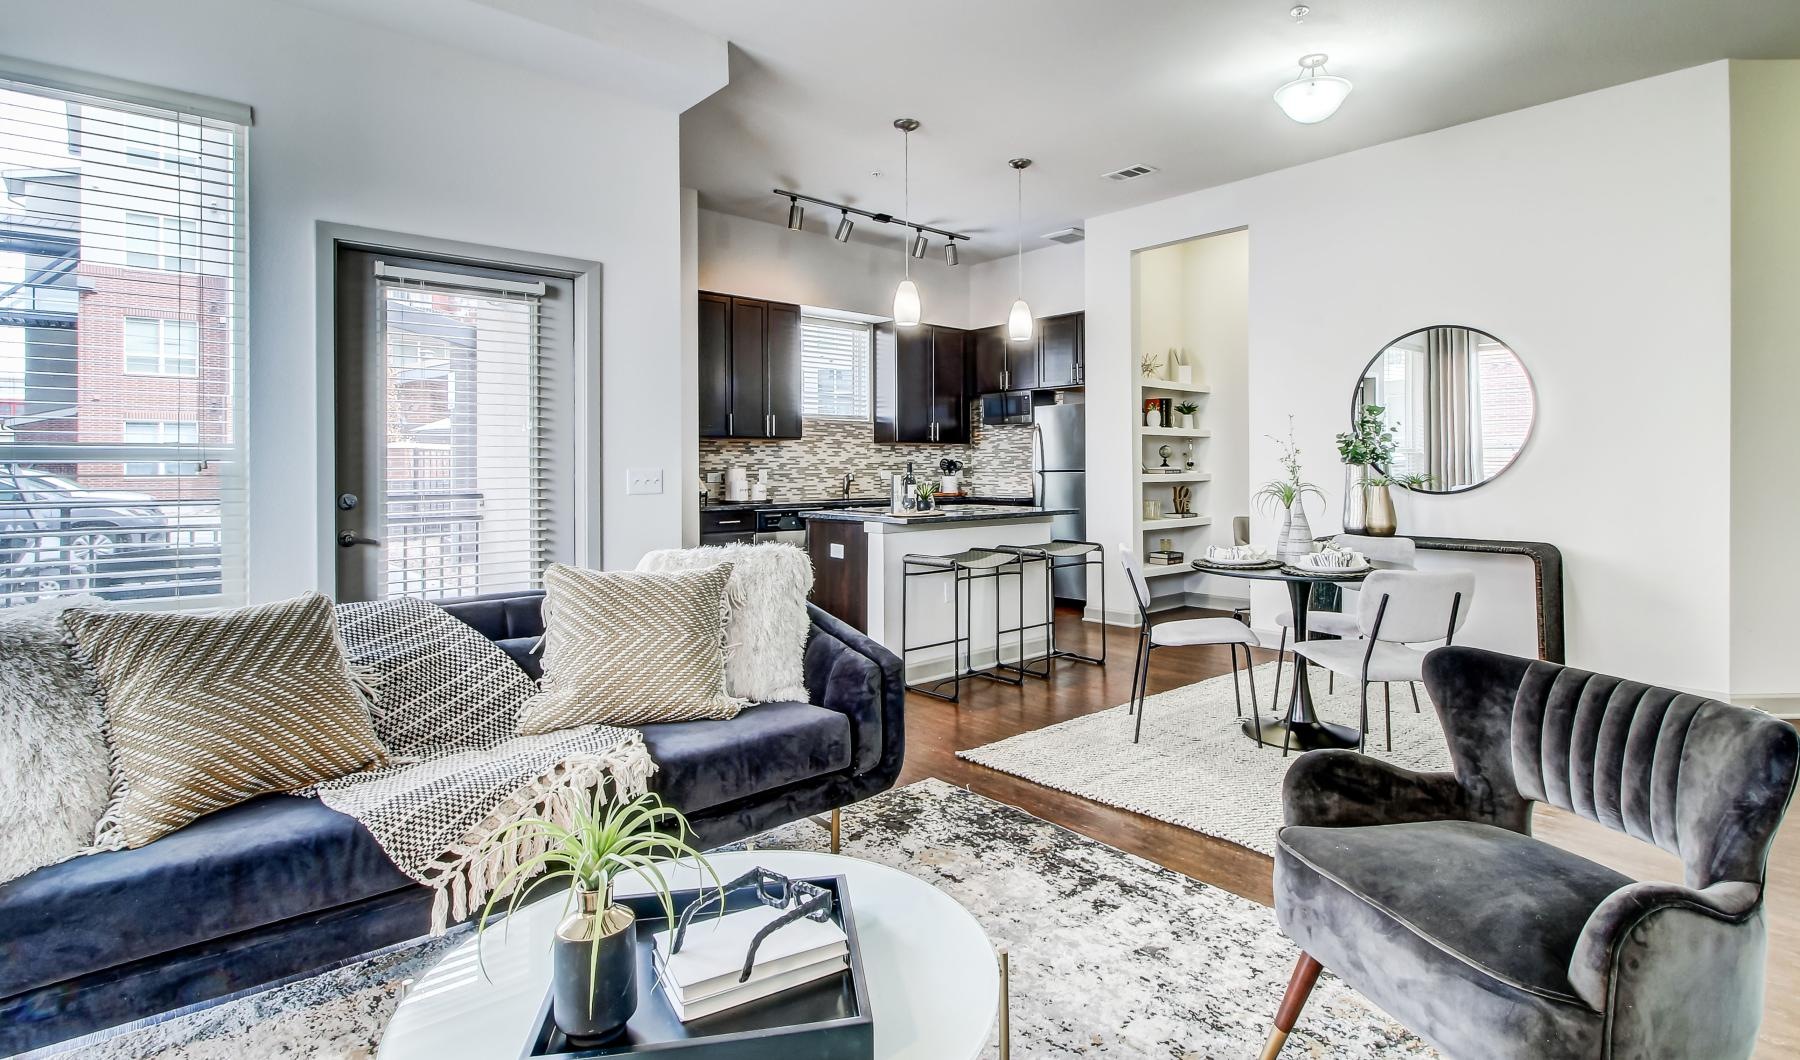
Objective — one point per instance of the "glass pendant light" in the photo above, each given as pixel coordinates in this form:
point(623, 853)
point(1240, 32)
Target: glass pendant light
point(1018, 322)
point(906, 296)
point(1314, 95)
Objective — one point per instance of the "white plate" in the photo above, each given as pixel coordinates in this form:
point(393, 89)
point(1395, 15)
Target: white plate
point(1310, 569)
point(1266, 560)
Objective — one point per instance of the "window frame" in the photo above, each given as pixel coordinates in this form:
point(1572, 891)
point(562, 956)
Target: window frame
point(163, 356)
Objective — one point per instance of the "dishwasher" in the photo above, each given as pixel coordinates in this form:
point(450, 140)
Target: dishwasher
point(786, 527)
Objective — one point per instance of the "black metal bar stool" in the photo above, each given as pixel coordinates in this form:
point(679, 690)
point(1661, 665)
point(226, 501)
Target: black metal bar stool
point(1059, 555)
point(964, 568)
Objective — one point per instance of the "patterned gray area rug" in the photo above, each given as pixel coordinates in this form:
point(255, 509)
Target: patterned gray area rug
point(1112, 956)
point(1193, 767)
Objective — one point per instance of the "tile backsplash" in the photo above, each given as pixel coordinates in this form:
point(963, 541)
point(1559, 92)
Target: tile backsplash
point(812, 466)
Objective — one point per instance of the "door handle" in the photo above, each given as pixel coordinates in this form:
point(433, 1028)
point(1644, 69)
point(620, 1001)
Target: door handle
point(350, 539)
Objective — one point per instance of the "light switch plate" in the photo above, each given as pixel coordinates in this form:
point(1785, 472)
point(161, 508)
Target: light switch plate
point(837, 550)
point(643, 480)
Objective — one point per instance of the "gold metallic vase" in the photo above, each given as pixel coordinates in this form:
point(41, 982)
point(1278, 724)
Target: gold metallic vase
point(1379, 512)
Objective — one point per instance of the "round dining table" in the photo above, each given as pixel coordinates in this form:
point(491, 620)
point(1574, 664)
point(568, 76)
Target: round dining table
point(1300, 727)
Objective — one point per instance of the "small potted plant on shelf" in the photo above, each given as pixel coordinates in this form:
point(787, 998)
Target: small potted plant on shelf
point(1186, 410)
point(1289, 493)
point(1368, 443)
point(594, 954)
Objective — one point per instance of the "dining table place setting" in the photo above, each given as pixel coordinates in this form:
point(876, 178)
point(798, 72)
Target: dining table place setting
point(1238, 557)
point(1331, 559)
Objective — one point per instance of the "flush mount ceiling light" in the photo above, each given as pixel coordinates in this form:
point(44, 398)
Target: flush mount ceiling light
point(1315, 95)
point(906, 296)
point(1018, 322)
point(843, 228)
point(796, 215)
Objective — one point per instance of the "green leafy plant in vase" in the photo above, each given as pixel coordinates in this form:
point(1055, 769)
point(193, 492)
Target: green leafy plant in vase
point(925, 491)
point(594, 954)
point(1368, 444)
point(1288, 493)
point(1187, 409)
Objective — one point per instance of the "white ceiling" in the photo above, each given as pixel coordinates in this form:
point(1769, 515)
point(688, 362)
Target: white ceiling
point(1085, 87)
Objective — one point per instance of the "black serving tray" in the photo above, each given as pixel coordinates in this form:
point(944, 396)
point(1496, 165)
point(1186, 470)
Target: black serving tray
point(827, 1018)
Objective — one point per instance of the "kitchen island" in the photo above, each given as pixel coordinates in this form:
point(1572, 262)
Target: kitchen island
point(857, 556)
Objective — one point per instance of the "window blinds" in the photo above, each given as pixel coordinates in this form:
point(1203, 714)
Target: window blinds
point(834, 368)
point(122, 350)
point(470, 452)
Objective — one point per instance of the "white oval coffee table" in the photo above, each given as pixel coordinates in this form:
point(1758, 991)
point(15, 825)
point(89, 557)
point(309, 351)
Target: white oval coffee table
point(934, 983)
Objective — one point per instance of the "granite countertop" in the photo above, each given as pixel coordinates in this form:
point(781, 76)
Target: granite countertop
point(955, 513)
point(853, 502)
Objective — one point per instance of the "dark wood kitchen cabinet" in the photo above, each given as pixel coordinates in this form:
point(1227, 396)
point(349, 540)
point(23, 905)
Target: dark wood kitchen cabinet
point(749, 367)
point(1062, 354)
point(920, 392)
point(1054, 357)
point(1002, 364)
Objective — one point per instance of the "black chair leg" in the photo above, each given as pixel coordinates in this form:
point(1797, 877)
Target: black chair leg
point(1414, 689)
point(1137, 666)
point(1364, 738)
point(1237, 691)
point(1387, 709)
point(1331, 682)
point(1143, 694)
point(1280, 657)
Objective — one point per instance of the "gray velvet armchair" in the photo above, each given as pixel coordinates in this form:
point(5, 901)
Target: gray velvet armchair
point(1426, 892)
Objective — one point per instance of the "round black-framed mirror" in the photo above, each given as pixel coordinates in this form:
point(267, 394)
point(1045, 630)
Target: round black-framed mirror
point(1459, 401)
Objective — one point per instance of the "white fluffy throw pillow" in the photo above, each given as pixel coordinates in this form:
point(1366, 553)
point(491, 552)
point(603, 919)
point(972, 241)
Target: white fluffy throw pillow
point(54, 771)
point(765, 633)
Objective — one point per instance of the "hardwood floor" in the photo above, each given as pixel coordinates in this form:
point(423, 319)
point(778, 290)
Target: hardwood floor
point(989, 712)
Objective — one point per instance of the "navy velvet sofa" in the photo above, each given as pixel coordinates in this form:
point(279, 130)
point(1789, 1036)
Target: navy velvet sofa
point(281, 887)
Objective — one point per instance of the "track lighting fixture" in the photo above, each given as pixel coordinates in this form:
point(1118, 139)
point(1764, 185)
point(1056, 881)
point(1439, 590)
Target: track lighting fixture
point(920, 245)
point(796, 214)
point(844, 226)
point(950, 253)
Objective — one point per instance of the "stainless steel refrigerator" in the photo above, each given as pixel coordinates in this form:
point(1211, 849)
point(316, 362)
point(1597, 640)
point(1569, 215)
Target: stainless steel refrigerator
point(1059, 471)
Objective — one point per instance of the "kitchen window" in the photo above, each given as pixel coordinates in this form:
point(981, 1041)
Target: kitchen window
point(122, 256)
point(161, 347)
point(834, 368)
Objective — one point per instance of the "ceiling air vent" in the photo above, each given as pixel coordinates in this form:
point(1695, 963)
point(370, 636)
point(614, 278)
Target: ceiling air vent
point(1130, 172)
point(1066, 235)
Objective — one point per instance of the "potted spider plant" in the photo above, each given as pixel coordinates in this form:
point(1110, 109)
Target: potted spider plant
point(1289, 493)
point(593, 989)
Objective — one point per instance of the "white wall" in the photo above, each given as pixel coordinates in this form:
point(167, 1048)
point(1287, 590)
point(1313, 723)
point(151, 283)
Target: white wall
point(760, 260)
point(1216, 320)
point(1593, 235)
point(1765, 381)
point(1054, 282)
point(362, 126)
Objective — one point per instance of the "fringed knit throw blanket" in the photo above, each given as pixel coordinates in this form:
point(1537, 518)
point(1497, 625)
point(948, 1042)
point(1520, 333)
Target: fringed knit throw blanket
point(447, 705)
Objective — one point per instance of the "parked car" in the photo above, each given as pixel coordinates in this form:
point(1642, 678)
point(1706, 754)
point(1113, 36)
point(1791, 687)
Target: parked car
point(57, 535)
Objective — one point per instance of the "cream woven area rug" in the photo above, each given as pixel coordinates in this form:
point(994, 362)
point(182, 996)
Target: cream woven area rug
point(1193, 767)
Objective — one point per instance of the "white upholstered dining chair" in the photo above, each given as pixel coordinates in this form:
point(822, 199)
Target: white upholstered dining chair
point(1395, 611)
point(1183, 632)
point(1392, 553)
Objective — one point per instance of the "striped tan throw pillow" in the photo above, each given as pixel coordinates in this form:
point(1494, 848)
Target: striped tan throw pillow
point(205, 710)
point(631, 648)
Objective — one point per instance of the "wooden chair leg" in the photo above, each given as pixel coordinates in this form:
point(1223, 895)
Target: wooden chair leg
point(1299, 988)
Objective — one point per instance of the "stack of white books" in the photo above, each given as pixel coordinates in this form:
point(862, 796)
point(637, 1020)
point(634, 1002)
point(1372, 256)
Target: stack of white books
point(703, 978)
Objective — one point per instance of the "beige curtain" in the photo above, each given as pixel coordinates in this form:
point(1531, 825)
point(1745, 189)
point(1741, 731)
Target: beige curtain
point(1453, 409)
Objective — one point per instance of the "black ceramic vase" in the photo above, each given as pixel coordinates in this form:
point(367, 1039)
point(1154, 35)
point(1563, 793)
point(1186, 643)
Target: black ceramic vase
point(592, 996)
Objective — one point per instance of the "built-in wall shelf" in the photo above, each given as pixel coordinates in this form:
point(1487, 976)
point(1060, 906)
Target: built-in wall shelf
point(1174, 432)
point(1174, 522)
point(1185, 476)
point(1159, 570)
point(1174, 387)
